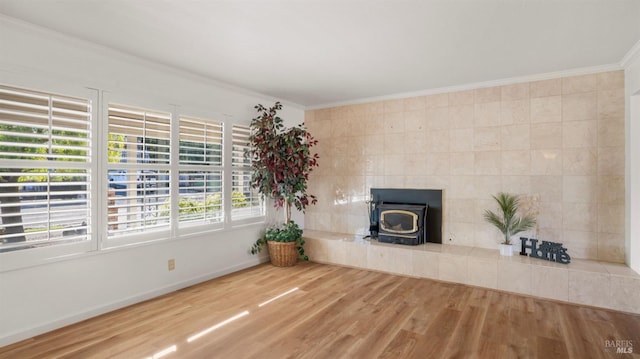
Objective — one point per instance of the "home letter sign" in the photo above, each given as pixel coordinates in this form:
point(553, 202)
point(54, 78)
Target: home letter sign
point(549, 251)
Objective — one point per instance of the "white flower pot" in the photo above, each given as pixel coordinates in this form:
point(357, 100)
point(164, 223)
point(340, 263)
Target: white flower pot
point(506, 249)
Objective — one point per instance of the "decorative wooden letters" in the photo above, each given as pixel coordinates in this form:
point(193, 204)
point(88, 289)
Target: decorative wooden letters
point(549, 251)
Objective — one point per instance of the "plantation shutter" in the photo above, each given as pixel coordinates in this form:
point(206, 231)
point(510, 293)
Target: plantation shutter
point(45, 154)
point(246, 201)
point(200, 171)
point(139, 146)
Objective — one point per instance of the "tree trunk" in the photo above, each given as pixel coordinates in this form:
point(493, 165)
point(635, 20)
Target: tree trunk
point(287, 212)
point(11, 216)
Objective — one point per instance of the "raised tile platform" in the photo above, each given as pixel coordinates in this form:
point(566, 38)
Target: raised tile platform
point(600, 284)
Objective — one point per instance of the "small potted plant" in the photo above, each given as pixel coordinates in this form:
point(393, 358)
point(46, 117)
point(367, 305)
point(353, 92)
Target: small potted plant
point(281, 160)
point(508, 221)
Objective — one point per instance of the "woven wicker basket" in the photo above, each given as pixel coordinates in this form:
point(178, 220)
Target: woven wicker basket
point(283, 254)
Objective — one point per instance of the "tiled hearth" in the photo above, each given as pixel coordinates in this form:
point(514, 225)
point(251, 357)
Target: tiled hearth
point(588, 282)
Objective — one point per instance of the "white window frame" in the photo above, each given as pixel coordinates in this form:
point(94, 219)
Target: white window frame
point(24, 258)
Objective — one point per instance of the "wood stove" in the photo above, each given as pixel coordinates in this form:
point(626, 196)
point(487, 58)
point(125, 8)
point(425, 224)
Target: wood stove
point(402, 223)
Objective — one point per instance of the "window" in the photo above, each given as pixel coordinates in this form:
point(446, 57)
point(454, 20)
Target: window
point(200, 172)
point(246, 202)
point(45, 169)
point(138, 170)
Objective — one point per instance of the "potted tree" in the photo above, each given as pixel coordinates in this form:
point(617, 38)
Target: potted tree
point(508, 221)
point(281, 160)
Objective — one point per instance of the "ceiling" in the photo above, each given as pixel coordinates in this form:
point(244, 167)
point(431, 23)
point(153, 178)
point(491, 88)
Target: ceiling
point(314, 52)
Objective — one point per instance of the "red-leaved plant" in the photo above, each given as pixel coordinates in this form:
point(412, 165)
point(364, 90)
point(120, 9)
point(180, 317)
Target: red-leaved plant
point(281, 160)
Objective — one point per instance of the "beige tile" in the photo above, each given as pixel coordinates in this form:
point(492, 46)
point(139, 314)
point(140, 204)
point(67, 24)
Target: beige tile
point(394, 144)
point(579, 106)
point(550, 282)
point(425, 264)
point(515, 92)
point(611, 104)
point(516, 137)
point(415, 120)
point(516, 163)
point(487, 139)
point(488, 163)
point(374, 125)
point(453, 268)
point(437, 164)
point(579, 134)
point(549, 188)
point(580, 244)
point(393, 122)
point(390, 259)
point(546, 162)
point(355, 254)
point(437, 100)
point(546, 109)
point(545, 88)
point(336, 253)
point(611, 247)
point(546, 136)
point(415, 143)
point(622, 270)
point(372, 108)
point(486, 186)
point(550, 215)
point(611, 161)
point(459, 234)
point(373, 145)
point(460, 187)
point(580, 161)
point(462, 163)
point(611, 218)
point(461, 116)
point(437, 141)
point(356, 126)
point(579, 84)
point(466, 97)
point(394, 165)
point(610, 80)
point(589, 288)
point(580, 189)
point(461, 140)
point(437, 118)
point(611, 133)
point(516, 184)
point(482, 272)
point(625, 294)
point(580, 216)
point(487, 114)
point(461, 210)
point(515, 112)
point(316, 249)
point(488, 94)
point(611, 190)
point(514, 277)
point(355, 145)
point(413, 103)
point(393, 105)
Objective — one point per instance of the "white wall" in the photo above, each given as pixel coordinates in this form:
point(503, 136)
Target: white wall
point(632, 126)
point(40, 298)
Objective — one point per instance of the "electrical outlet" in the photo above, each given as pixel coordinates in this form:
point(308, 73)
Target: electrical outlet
point(172, 264)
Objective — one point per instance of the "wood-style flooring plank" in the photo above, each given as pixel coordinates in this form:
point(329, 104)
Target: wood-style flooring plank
point(338, 312)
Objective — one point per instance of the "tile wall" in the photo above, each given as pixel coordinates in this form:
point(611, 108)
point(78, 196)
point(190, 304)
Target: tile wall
point(559, 143)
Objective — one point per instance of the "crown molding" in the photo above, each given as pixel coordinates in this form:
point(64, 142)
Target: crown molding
point(632, 55)
point(475, 85)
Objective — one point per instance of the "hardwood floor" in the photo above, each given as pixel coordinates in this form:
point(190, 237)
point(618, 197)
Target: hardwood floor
point(338, 312)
